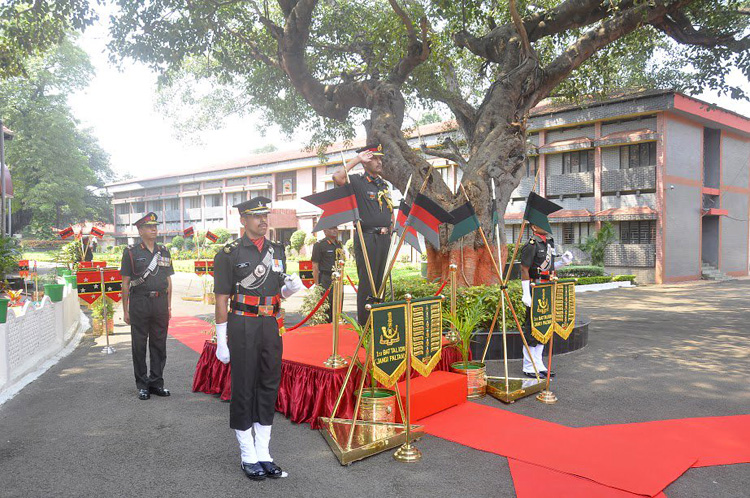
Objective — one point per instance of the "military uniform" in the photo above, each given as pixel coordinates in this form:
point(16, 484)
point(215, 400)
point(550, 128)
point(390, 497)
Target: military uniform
point(376, 216)
point(325, 253)
point(538, 255)
point(253, 279)
point(148, 306)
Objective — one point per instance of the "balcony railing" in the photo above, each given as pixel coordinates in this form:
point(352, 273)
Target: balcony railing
point(570, 184)
point(214, 212)
point(193, 214)
point(623, 180)
point(172, 216)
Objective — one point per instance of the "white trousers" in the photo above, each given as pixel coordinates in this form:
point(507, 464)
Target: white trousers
point(536, 352)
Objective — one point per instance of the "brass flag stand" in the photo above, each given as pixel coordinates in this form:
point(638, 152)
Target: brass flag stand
point(451, 335)
point(336, 360)
point(352, 439)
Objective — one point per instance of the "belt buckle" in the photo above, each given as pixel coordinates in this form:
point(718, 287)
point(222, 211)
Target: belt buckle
point(265, 310)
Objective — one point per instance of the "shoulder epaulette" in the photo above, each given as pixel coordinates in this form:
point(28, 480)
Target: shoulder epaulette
point(231, 246)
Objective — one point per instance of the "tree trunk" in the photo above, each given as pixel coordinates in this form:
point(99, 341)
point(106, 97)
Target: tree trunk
point(473, 266)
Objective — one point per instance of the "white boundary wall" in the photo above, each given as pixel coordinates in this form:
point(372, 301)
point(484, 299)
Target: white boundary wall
point(33, 336)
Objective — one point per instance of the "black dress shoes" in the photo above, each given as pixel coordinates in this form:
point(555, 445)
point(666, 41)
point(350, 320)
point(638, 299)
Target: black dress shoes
point(254, 471)
point(159, 391)
point(272, 470)
point(143, 394)
point(542, 375)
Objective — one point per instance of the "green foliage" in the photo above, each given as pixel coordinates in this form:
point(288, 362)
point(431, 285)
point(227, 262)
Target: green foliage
point(29, 28)
point(580, 271)
point(223, 235)
point(102, 306)
point(52, 160)
point(605, 279)
point(596, 244)
point(624, 278)
point(10, 253)
point(465, 321)
point(70, 254)
point(178, 242)
point(310, 239)
point(42, 244)
point(311, 298)
point(297, 240)
point(349, 246)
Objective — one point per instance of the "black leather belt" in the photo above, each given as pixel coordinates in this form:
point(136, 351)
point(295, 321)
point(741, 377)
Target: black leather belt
point(378, 230)
point(151, 294)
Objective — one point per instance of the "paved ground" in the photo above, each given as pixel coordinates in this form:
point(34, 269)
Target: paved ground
point(654, 353)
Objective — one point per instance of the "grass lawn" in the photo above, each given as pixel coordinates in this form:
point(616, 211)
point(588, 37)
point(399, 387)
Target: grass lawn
point(48, 256)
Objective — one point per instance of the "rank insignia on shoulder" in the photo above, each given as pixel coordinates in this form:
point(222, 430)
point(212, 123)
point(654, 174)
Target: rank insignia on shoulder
point(231, 246)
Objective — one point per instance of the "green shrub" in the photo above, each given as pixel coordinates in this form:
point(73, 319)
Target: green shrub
point(349, 246)
point(10, 253)
point(593, 280)
point(297, 240)
point(580, 271)
point(42, 244)
point(223, 234)
point(308, 303)
point(310, 239)
point(178, 242)
point(169, 246)
point(624, 278)
point(596, 244)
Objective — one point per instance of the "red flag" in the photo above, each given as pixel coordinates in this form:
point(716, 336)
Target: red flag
point(339, 206)
point(212, 236)
point(210, 267)
point(306, 273)
point(66, 232)
point(411, 234)
point(113, 284)
point(92, 264)
point(89, 284)
point(200, 267)
point(188, 232)
point(97, 232)
point(23, 267)
point(426, 216)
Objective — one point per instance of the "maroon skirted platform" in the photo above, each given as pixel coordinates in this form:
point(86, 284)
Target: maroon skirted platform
point(308, 389)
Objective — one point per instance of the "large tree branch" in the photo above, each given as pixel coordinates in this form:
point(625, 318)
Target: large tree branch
point(677, 25)
point(450, 95)
point(597, 38)
point(416, 53)
point(453, 155)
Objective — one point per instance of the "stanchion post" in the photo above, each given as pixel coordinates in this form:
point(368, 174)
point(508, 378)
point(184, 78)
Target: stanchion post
point(107, 349)
point(336, 360)
point(452, 336)
point(547, 397)
point(407, 452)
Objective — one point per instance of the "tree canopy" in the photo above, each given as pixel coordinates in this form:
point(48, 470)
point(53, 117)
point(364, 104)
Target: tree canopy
point(55, 165)
point(325, 65)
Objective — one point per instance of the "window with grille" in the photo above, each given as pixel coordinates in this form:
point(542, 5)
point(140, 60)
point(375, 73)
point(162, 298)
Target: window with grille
point(214, 200)
point(579, 161)
point(286, 185)
point(637, 232)
point(568, 233)
point(637, 155)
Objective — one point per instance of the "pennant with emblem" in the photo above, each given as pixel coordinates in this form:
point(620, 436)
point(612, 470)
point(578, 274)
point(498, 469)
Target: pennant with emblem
point(89, 283)
point(212, 236)
point(97, 232)
point(113, 284)
point(66, 232)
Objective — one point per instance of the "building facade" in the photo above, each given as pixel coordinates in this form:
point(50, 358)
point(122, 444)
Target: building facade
point(668, 171)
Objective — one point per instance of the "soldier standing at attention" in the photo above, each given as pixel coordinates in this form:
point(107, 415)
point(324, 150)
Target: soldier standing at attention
point(249, 282)
point(376, 210)
point(146, 270)
point(325, 253)
point(537, 264)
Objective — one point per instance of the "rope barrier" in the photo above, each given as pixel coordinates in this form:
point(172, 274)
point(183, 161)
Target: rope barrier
point(351, 283)
point(441, 288)
point(289, 329)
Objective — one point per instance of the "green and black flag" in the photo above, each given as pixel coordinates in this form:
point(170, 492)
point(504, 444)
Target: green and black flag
point(537, 210)
point(465, 221)
point(495, 215)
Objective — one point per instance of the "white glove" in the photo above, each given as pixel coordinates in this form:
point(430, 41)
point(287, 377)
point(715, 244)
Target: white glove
point(292, 284)
point(222, 349)
point(565, 260)
point(526, 298)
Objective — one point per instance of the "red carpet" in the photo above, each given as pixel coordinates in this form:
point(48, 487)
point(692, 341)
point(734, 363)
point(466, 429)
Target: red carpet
point(190, 331)
point(619, 462)
point(533, 481)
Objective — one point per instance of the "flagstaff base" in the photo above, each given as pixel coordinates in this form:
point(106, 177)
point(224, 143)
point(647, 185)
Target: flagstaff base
point(517, 388)
point(407, 453)
point(547, 397)
point(108, 350)
point(336, 361)
point(370, 438)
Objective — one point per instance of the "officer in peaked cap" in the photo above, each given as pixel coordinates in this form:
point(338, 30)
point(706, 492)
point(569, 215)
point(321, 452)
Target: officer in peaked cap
point(249, 283)
point(146, 302)
point(376, 211)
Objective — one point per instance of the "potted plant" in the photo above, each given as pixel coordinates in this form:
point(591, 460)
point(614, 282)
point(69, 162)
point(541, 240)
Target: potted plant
point(465, 322)
point(103, 307)
point(208, 290)
point(378, 404)
point(39, 283)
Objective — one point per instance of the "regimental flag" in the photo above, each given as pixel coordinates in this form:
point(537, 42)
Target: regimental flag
point(97, 232)
point(426, 334)
point(388, 341)
point(188, 232)
point(426, 216)
point(464, 222)
point(542, 316)
point(565, 307)
point(411, 234)
point(495, 215)
point(23, 268)
point(113, 284)
point(210, 267)
point(537, 210)
point(200, 267)
point(89, 284)
point(306, 273)
point(212, 236)
point(66, 232)
point(338, 204)
point(92, 264)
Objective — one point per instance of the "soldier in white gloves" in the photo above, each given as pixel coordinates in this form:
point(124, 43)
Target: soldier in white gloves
point(249, 283)
point(537, 264)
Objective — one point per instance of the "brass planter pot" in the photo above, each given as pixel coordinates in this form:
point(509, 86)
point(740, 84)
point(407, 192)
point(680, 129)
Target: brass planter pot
point(378, 405)
point(209, 298)
point(476, 378)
